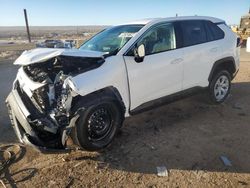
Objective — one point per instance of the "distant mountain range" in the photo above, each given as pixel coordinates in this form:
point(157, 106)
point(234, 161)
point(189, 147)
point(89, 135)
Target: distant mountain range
point(13, 31)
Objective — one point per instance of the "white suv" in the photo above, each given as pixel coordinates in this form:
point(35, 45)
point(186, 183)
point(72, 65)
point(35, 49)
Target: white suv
point(86, 93)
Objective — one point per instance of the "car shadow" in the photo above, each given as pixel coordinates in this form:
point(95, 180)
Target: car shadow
point(188, 135)
point(9, 177)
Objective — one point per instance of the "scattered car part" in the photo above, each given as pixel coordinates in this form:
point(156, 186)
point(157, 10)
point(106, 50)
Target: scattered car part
point(162, 171)
point(225, 161)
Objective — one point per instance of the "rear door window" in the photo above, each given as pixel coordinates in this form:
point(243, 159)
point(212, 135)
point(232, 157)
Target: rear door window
point(193, 32)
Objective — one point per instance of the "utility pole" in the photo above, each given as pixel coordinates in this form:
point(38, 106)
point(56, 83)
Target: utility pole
point(27, 24)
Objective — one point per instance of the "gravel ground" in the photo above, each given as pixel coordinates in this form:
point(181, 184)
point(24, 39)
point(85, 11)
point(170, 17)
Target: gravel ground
point(187, 137)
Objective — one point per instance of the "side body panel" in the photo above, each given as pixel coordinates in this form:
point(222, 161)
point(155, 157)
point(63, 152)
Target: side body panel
point(228, 48)
point(157, 76)
point(199, 59)
point(198, 62)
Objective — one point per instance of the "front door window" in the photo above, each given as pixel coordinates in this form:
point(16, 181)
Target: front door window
point(159, 39)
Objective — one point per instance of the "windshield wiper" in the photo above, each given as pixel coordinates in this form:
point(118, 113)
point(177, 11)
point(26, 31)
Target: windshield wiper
point(114, 52)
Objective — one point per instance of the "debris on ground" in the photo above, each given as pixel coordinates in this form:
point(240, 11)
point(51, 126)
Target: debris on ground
point(241, 114)
point(226, 161)
point(242, 183)
point(2, 183)
point(162, 171)
point(8, 154)
point(78, 164)
point(65, 159)
point(70, 182)
point(237, 106)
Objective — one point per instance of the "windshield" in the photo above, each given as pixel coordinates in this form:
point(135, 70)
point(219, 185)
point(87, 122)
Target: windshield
point(112, 39)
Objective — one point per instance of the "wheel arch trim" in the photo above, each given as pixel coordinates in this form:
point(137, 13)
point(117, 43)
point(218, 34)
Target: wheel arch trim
point(229, 59)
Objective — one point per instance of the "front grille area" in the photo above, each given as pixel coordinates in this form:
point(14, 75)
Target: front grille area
point(41, 97)
point(38, 121)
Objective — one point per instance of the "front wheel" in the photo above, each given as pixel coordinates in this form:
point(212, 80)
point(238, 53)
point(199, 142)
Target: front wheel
point(219, 87)
point(98, 123)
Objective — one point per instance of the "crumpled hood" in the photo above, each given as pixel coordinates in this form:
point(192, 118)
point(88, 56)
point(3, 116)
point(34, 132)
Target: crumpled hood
point(42, 54)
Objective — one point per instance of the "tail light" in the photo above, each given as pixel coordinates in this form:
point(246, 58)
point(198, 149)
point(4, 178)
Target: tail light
point(239, 42)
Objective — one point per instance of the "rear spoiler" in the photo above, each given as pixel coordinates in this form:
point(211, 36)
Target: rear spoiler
point(219, 23)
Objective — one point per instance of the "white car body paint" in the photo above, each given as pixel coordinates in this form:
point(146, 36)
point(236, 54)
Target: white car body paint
point(26, 83)
point(42, 54)
point(111, 73)
point(155, 77)
point(138, 83)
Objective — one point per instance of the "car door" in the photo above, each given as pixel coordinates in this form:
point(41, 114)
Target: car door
point(160, 73)
point(199, 54)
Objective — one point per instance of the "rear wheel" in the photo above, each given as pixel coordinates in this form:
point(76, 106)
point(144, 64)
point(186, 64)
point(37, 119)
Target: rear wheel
point(98, 123)
point(219, 87)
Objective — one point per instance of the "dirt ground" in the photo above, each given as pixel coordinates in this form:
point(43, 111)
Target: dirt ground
point(188, 137)
point(12, 51)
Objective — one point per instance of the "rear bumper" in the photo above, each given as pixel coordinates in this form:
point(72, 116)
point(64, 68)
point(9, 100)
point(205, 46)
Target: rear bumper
point(234, 75)
point(19, 117)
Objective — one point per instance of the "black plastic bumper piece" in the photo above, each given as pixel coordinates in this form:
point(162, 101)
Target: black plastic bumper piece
point(19, 114)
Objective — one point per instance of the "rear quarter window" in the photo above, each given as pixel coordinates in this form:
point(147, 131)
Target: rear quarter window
point(213, 31)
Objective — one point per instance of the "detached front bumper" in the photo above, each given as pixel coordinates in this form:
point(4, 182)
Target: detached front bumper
point(19, 114)
point(19, 117)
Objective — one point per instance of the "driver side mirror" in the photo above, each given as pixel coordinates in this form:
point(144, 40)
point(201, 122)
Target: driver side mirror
point(139, 53)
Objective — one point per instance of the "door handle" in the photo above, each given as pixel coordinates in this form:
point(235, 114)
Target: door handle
point(176, 61)
point(214, 49)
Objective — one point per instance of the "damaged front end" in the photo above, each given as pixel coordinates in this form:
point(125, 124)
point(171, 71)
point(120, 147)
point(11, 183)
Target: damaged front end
point(40, 104)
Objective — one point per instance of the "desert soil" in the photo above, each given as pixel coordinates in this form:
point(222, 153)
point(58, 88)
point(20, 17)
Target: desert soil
point(187, 137)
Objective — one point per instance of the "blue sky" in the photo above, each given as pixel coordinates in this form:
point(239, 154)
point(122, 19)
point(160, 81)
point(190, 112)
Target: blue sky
point(110, 12)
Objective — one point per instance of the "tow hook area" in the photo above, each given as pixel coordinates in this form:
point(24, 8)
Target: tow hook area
point(34, 136)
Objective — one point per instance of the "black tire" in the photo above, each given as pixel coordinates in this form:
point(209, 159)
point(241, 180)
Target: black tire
point(214, 86)
point(89, 126)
